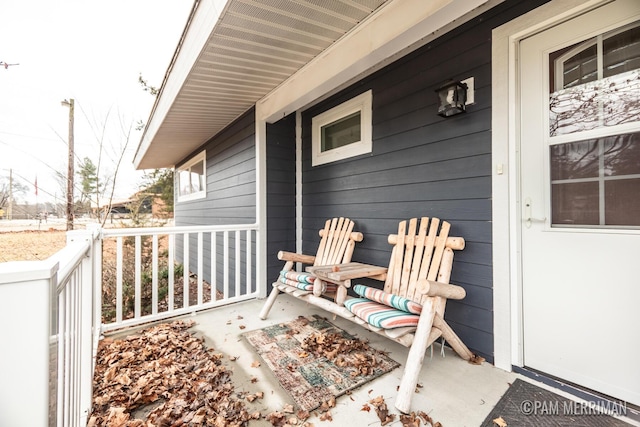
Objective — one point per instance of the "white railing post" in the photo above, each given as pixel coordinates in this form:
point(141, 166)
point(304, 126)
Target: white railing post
point(85, 298)
point(27, 291)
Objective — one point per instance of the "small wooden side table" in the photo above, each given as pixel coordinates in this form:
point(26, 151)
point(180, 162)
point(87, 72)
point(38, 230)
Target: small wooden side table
point(341, 275)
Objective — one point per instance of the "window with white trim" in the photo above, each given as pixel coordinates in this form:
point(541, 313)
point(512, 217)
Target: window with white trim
point(343, 131)
point(191, 178)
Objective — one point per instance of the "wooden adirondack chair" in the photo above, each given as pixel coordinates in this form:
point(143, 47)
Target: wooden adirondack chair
point(420, 269)
point(419, 272)
point(336, 247)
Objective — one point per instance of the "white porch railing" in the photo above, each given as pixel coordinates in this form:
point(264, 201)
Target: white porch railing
point(160, 272)
point(46, 334)
point(53, 312)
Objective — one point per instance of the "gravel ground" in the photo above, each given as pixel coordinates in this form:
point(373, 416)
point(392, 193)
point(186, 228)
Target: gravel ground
point(30, 245)
point(33, 240)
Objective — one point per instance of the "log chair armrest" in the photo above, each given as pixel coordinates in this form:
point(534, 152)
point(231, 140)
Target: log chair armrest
point(439, 289)
point(292, 256)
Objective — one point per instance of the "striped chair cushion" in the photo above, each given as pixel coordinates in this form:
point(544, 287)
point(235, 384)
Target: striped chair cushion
point(303, 281)
point(387, 299)
point(380, 315)
point(298, 277)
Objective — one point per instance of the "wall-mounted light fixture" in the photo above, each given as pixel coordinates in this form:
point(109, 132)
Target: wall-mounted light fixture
point(452, 98)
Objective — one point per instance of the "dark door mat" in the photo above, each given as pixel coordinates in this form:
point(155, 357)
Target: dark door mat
point(525, 404)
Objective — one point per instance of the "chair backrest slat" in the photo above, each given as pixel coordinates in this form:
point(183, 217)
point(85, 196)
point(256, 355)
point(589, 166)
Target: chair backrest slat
point(394, 273)
point(323, 242)
point(330, 249)
point(420, 246)
point(343, 242)
point(439, 250)
point(423, 251)
point(337, 242)
point(409, 249)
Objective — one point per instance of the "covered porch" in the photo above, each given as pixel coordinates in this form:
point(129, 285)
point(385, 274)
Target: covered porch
point(60, 351)
point(68, 319)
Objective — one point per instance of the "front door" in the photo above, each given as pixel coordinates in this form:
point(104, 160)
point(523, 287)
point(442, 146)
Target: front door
point(580, 200)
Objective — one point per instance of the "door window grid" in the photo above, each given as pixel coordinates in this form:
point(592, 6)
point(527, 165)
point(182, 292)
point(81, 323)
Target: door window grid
point(596, 183)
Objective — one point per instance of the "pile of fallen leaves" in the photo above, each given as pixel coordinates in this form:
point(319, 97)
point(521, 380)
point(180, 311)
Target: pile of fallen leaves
point(342, 351)
point(165, 376)
point(408, 420)
point(168, 369)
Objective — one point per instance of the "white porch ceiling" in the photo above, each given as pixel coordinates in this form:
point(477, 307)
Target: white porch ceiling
point(281, 55)
point(252, 47)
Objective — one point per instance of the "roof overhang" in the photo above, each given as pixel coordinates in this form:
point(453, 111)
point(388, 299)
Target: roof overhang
point(235, 54)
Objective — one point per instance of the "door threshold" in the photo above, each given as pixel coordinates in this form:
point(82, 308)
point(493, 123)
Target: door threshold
point(632, 411)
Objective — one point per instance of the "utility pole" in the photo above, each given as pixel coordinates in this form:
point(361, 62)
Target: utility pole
point(69, 104)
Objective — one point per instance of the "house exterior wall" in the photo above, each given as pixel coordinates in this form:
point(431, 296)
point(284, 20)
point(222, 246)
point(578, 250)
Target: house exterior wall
point(231, 193)
point(231, 184)
point(230, 177)
point(421, 164)
point(281, 192)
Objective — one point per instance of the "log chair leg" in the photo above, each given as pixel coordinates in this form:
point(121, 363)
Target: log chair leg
point(269, 302)
point(341, 295)
point(415, 358)
point(452, 338)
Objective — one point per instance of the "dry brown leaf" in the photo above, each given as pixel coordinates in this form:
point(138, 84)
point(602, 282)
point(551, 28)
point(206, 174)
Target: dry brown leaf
point(382, 411)
point(410, 420)
point(326, 416)
point(476, 360)
point(500, 422)
point(255, 364)
point(276, 418)
point(366, 408)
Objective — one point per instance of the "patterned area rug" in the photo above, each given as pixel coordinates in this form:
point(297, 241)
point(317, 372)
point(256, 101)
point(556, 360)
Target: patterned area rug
point(310, 373)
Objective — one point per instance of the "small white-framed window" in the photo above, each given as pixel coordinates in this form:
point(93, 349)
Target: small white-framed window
point(191, 178)
point(343, 131)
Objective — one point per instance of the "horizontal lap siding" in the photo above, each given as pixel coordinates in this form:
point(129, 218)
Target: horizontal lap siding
point(281, 192)
point(421, 165)
point(231, 196)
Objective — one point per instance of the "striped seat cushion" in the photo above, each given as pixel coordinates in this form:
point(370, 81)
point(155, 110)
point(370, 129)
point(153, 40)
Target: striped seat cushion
point(387, 299)
point(380, 315)
point(303, 281)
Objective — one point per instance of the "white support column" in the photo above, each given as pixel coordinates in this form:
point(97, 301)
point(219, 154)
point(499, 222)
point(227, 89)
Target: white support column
point(299, 185)
point(261, 204)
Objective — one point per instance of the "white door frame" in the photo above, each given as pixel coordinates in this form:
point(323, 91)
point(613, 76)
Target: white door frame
point(507, 283)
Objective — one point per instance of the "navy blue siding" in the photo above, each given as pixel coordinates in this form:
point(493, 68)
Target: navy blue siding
point(421, 164)
point(231, 197)
point(281, 192)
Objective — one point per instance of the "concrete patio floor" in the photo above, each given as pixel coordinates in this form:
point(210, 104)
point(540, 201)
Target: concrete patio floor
point(455, 392)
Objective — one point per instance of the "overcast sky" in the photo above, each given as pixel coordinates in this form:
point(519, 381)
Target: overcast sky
point(89, 50)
